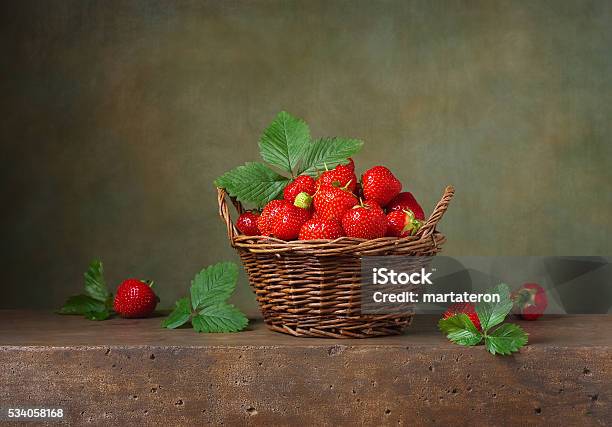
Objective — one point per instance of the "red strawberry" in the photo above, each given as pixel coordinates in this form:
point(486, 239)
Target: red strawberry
point(332, 202)
point(406, 201)
point(365, 221)
point(379, 185)
point(135, 298)
point(286, 224)
point(466, 308)
point(340, 176)
point(402, 224)
point(321, 229)
point(301, 184)
point(530, 301)
point(269, 211)
point(247, 224)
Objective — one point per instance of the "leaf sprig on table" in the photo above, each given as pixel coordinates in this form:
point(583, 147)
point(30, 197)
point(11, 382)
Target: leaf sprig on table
point(287, 146)
point(206, 307)
point(505, 339)
point(97, 301)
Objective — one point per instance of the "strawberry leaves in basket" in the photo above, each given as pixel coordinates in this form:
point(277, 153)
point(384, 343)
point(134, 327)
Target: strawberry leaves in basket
point(284, 142)
point(253, 182)
point(97, 301)
point(207, 308)
point(328, 153)
point(505, 339)
point(285, 145)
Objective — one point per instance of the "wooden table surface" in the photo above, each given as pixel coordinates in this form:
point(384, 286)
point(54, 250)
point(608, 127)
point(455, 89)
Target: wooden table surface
point(132, 371)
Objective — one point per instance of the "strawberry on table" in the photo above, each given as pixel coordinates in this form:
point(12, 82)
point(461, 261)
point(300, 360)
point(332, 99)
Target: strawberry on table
point(247, 223)
point(402, 223)
point(315, 228)
point(380, 185)
point(530, 301)
point(365, 221)
point(465, 308)
point(332, 202)
point(301, 184)
point(135, 298)
point(406, 201)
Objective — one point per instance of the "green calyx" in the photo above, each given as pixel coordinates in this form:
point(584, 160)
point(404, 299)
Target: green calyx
point(303, 200)
point(525, 297)
point(412, 224)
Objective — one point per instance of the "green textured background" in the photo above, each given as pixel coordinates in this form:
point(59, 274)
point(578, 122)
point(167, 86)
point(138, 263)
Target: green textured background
point(117, 116)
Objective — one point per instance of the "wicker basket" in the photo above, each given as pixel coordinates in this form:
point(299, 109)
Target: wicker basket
point(312, 288)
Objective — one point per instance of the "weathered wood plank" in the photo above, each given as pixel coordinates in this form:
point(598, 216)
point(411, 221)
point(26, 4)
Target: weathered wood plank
point(131, 371)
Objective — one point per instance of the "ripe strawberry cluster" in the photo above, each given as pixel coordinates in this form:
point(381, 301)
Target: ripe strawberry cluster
point(336, 205)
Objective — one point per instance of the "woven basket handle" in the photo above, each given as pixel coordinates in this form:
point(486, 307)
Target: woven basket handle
point(430, 225)
point(222, 197)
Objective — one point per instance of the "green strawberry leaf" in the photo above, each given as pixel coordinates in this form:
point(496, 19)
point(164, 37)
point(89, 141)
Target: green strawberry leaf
point(459, 329)
point(253, 183)
point(98, 315)
point(220, 317)
point(328, 152)
point(506, 339)
point(208, 309)
point(82, 304)
point(283, 143)
point(493, 313)
point(179, 316)
point(95, 286)
point(214, 284)
point(97, 302)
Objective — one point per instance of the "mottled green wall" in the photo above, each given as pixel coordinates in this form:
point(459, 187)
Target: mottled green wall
point(117, 116)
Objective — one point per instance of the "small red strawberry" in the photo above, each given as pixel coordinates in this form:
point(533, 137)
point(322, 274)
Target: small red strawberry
point(341, 176)
point(406, 201)
point(466, 308)
point(365, 221)
point(247, 223)
point(530, 301)
point(269, 211)
point(135, 298)
point(332, 202)
point(301, 184)
point(380, 185)
point(314, 229)
point(402, 224)
point(286, 224)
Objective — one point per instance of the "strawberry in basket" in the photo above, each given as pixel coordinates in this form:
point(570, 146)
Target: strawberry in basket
point(331, 202)
point(406, 202)
point(365, 221)
point(380, 185)
point(341, 176)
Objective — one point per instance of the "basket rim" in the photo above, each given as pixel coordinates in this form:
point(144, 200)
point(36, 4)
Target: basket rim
point(266, 244)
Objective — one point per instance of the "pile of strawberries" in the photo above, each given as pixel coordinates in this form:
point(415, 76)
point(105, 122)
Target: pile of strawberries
point(336, 205)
